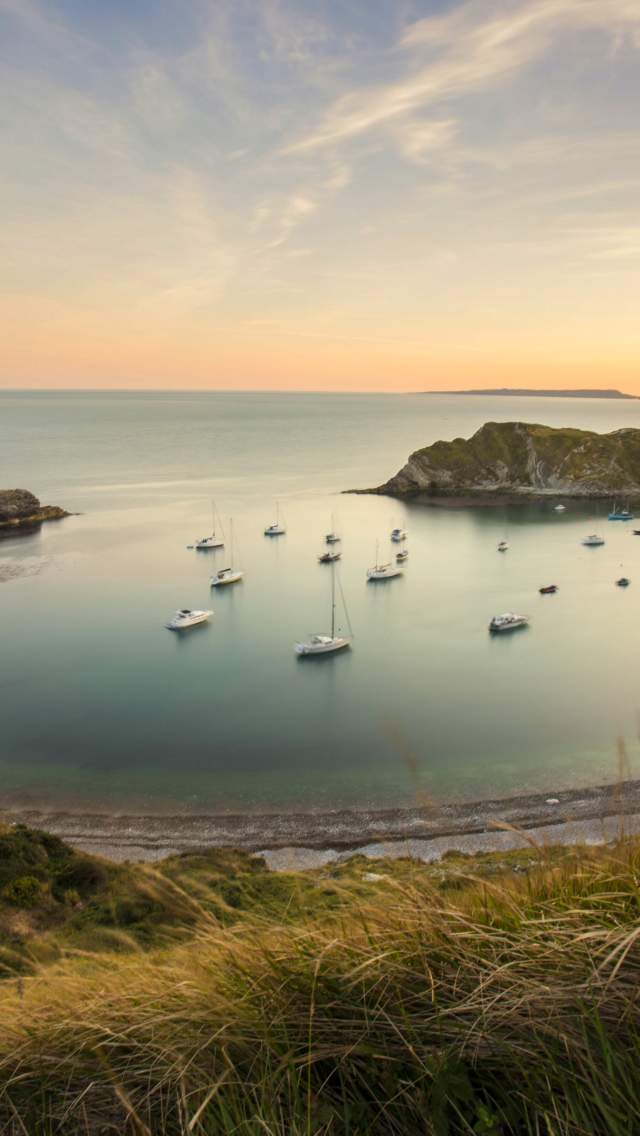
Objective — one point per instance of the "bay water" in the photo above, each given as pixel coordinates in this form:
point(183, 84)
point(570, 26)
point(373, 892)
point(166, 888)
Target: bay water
point(102, 708)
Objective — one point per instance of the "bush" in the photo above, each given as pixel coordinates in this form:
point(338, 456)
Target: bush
point(25, 891)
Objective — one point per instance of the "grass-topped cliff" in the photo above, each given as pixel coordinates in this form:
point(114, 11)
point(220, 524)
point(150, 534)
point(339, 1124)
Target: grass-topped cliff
point(488, 995)
point(521, 459)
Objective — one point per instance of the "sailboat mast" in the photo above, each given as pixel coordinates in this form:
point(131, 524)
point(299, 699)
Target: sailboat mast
point(231, 542)
point(333, 600)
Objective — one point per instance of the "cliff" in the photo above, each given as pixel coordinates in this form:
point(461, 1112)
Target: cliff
point(517, 459)
point(20, 507)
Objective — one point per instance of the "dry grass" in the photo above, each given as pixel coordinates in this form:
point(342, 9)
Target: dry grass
point(495, 1007)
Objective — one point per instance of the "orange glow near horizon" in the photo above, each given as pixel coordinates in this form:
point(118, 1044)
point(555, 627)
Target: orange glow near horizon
point(328, 203)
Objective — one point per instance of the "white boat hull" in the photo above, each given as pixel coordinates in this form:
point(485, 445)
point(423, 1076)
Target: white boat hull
point(223, 578)
point(383, 573)
point(322, 645)
point(182, 621)
point(507, 622)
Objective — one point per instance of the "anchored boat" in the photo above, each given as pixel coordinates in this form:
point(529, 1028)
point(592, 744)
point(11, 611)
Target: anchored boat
point(509, 621)
point(327, 644)
point(228, 575)
point(187, 617)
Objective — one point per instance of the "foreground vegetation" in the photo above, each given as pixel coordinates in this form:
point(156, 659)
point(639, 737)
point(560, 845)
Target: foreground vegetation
point(486, 995)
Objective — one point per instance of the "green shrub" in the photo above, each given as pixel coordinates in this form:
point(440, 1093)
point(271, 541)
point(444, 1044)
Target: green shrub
point(25, 891)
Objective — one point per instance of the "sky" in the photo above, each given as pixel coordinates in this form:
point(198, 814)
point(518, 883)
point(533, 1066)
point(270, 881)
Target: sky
point(379, 195)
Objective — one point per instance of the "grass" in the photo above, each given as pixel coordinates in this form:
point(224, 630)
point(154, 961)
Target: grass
point(485, 995)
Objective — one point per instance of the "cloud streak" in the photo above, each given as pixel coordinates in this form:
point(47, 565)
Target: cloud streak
point(472, 48)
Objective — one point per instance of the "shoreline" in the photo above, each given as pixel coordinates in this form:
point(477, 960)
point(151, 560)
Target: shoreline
point(299, 839)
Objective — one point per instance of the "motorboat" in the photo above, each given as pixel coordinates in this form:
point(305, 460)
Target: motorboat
point(187, 617)
point(559, 508)
point(228, 575)
point(636, 532)
point(623, 582)
point(327, 644)
point(509, 621)
point(398, 535)
point(548, 590)
point(617, 514)
point(382, 571)
point(277, 528)
point(212, 541)
point(402, 556)
point(503, 546)
point(593, 540)
point(329, 557)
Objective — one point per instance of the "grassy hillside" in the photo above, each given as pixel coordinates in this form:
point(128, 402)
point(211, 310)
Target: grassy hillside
point(525, 457)
point(486, 995)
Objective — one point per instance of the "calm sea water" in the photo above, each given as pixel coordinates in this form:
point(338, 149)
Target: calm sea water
point(101, 707)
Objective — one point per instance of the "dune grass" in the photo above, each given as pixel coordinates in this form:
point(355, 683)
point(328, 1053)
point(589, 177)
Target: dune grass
point(439, 1001)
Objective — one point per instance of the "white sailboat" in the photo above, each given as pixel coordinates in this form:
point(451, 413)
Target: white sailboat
point(326, 644)
point(382, 571)
point(213, 541)
point(277, 528)
point(228, 575)
point(332, 537)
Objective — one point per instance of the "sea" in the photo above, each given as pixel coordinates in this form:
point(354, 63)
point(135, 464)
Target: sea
point(102, 708)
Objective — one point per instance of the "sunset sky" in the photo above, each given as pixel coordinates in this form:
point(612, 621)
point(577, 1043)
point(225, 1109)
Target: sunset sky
point(321, 194)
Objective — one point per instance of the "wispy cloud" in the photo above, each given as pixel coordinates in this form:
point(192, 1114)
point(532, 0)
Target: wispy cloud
point(469, 49)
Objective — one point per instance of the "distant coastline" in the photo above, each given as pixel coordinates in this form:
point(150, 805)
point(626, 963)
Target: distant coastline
point(533, 392)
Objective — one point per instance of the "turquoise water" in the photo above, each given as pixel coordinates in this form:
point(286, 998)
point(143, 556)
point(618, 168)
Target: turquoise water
point(101, 707)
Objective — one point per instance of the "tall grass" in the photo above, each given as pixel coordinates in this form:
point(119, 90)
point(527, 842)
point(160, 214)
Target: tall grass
point(506, 1007)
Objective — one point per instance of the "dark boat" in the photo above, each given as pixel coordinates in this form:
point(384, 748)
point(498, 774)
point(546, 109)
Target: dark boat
point(549, 590)
point(636, 532)
point(329, 557)
point(623, 582)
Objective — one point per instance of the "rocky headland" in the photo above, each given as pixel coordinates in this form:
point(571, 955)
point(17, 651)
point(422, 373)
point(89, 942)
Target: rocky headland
point(522, 461)
point(19, 507)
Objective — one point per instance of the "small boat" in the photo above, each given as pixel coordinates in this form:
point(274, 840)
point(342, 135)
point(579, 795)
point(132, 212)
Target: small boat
point(617, 514)
point(559, 508)
point(277, 528)
point(636, 532)
point(329, 557)
point(228, 575)
point(509, 621)
point(549, 590)
point(398, 535)
point(326, 644)
point(212, 541)
point(593, 540)
point(382, 571)
point(623, 582)
point(332, 537)
point(402, 556)
point(187, 617)
point(503, 546)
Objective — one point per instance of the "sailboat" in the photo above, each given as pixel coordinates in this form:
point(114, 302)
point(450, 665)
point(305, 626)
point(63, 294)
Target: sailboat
point(227, 575)
point(382, 571)
point(326, 644)
point(276, 529)
point(212, 541)
point(617, 514)
point(332, 537)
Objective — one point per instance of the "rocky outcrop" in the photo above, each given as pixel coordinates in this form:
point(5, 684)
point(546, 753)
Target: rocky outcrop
point(20, 507)
point(521, 460)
